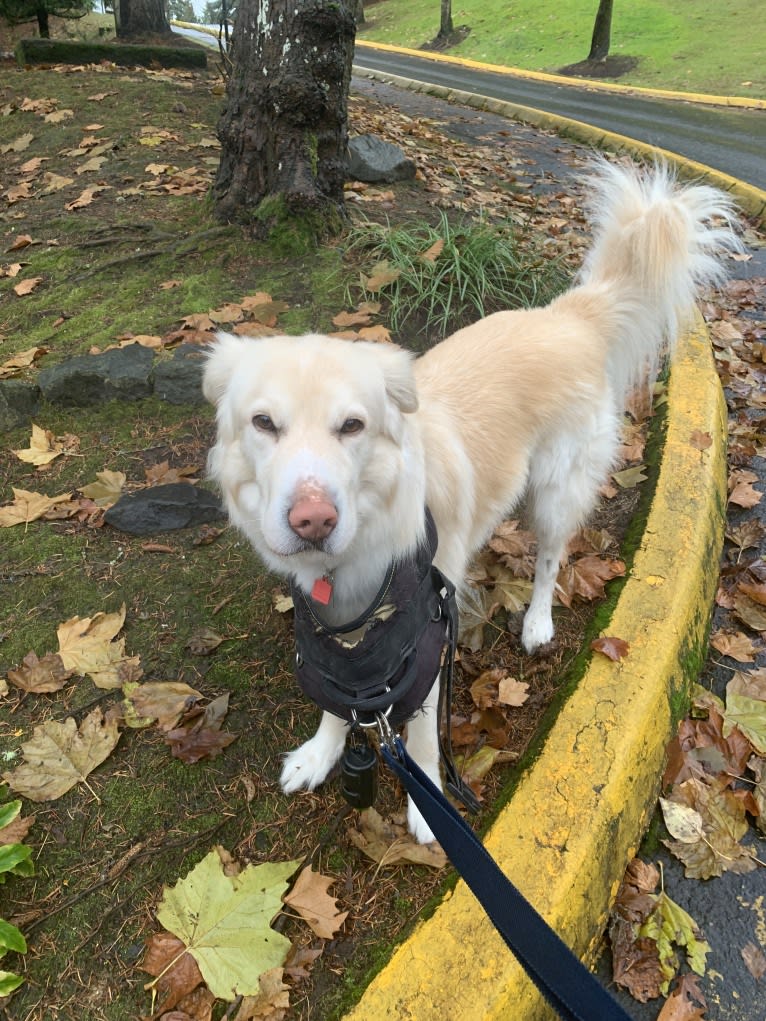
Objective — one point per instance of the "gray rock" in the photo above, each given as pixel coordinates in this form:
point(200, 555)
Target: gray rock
point(372, 159)
point(164, 509)
point(19, 403)
point(124, 373)
point(179, 380)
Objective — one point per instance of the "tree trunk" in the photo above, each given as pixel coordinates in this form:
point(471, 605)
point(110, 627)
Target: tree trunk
point(284, 130)
point(140, 18)
point(43, 26)
point(446, 27)
point(602, 30)
point(359, 13)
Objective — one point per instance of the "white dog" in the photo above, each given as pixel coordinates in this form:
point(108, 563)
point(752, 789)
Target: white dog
point(328, 451)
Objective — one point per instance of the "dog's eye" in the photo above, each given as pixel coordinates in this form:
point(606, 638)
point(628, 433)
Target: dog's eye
point(351, 426)
point(264, 423)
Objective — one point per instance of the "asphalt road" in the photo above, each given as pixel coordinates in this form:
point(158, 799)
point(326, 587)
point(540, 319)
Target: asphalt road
point(731, 140)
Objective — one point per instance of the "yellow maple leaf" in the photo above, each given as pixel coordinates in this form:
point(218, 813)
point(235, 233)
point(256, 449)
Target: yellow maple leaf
point(87, 646)
point(43, 448)
point(28, 507)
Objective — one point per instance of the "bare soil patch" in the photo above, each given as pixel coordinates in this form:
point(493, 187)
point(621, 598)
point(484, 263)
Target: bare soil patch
point(611, 67)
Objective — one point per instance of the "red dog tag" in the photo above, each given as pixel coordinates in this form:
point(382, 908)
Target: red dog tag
point(322, 591)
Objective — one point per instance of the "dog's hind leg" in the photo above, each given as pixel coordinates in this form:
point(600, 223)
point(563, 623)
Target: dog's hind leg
point(563, 489)
point(423, 747)
point(307, 766)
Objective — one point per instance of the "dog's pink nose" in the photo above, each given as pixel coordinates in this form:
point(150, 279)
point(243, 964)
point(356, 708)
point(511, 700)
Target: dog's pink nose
point(312, 519)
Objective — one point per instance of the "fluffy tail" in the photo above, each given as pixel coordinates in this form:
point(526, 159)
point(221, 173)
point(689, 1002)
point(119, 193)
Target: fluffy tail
point(657, 245)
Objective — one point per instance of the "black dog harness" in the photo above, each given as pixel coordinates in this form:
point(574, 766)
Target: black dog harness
point(387, 659)
point(377, 670)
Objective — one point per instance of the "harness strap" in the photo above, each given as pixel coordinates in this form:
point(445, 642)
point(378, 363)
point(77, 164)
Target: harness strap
point(564, 981)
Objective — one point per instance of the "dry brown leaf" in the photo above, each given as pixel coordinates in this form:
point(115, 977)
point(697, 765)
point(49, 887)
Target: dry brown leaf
point(310, 898)
point(389, 843)
point(272, 1002)
point(686, 1002)
point(735, 644)
point(614, 648)
point(178, 973)
point(431, 254)
point(61, 755)
point(23, 360)
point(87, 646)
point(28, 507)
point(753, 956)
point(381, 275)
point(163, 701)
point(22, 241)
point(512, 692)
point(24, 287)
point(586, 577)
point(43, 448)
point(40, 675)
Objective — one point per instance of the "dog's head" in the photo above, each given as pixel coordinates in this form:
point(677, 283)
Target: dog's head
point(312, 443)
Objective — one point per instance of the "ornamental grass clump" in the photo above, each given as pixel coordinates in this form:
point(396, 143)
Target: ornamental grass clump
point(443, 276)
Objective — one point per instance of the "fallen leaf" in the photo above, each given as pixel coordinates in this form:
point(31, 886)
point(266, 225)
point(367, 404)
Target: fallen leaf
point(24, 287)
point(61, 755)
point(629, 478)
point(22, 241)
point(310, 898)
point(18, 144)
point(23, 360)
point(512, 692)
point(753, 956)
point(224, 922)
point(381, 275)
point(107, 490)
point(204, 642)
point(40, 675)
point(585, 578)
point(28, 507)
point(87, 647)
point(175, 969)
point(43, 448)
point(272, 1001)
point(736, 645)
point(700, 440)
point(389, 843)
point(614, 648)
point(162, 701)
point(685, 1003)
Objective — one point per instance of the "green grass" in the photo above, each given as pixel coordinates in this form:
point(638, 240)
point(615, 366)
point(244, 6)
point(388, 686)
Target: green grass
point(478, 268)
point(698, 46)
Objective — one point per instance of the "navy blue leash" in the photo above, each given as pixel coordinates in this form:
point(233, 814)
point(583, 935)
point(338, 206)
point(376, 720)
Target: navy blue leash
point(566, 983)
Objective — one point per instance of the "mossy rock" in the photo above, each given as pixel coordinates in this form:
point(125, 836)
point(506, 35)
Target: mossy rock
point(63, 51)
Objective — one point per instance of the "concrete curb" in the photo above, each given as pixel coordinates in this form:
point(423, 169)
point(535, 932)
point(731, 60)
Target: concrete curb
point(576, 817)
point(750, 199)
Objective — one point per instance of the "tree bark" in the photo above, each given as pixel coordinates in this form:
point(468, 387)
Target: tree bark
point(284, 130)
point(140, 17)
point(446, 27)
point(43, 25)
point(602, 30)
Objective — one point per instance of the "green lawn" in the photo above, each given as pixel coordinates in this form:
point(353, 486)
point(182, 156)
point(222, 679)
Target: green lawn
point(712, 46)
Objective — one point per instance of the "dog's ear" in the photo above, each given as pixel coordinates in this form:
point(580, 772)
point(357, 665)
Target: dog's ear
point(223, 357)
point(396, 365)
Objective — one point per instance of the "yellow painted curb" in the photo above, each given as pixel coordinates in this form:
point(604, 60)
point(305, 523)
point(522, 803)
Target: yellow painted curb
point(575, 818)
point(750, 102)
point(750, 199)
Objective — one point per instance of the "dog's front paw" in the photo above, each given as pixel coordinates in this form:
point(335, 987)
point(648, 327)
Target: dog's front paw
point(309, 765)
point(417, 825)
point(537, 630)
